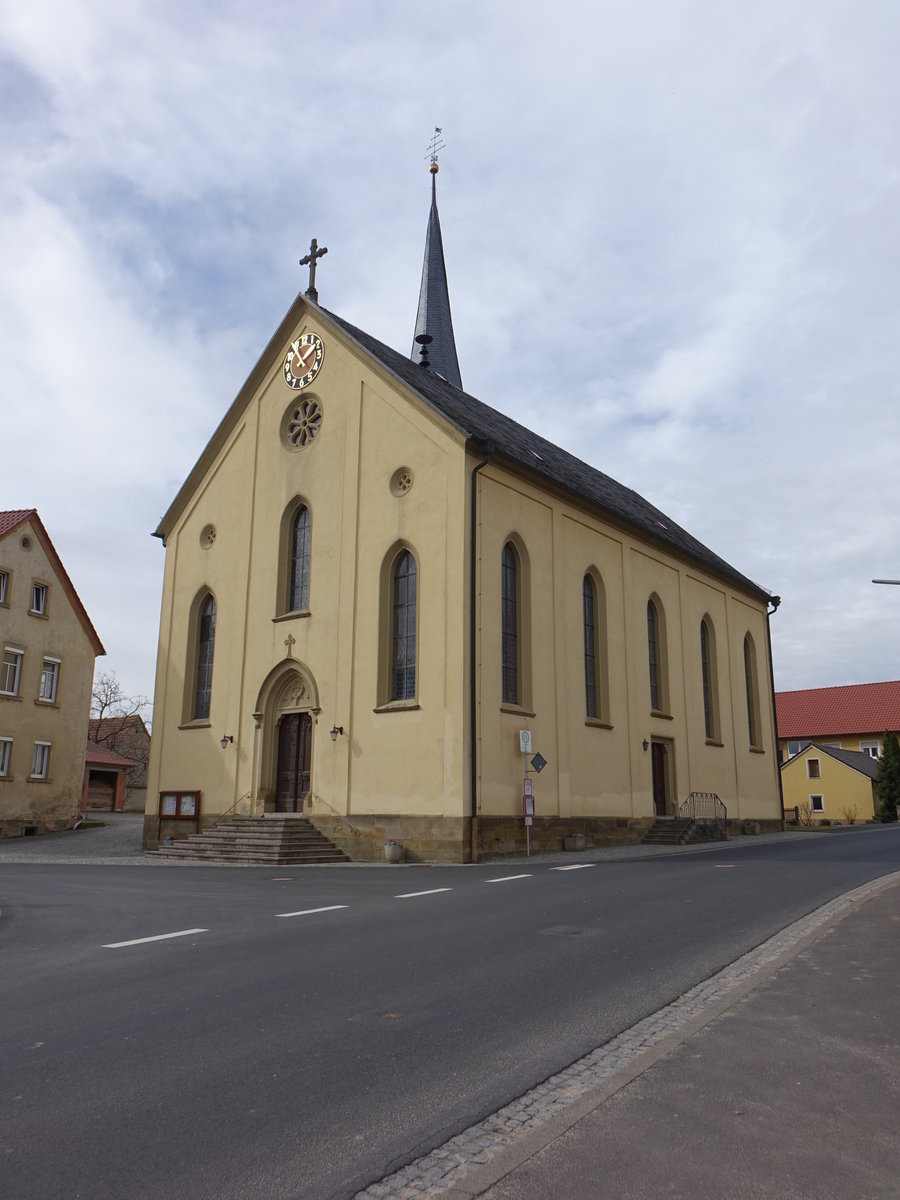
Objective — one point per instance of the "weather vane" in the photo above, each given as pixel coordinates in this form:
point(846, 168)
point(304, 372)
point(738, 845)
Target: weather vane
point(435, 145)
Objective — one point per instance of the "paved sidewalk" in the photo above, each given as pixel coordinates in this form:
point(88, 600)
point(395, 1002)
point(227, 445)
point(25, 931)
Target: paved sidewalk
point(777, 1078)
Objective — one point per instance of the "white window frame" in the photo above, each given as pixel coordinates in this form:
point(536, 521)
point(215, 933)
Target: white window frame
point(39, 593)
point(5, 756)
point(40, 760)
point(4, 588)
point(20, 654)
point(873, 749)
point(817, 804)
point(54, 676)
point(793, 753)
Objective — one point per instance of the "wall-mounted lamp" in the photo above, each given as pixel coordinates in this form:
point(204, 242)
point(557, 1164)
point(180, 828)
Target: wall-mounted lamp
point(225, 740)
point(646, 745)
point(335, 730)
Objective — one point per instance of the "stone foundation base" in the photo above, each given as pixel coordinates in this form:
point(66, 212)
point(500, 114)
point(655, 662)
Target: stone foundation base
point(424, 839)
point(26, 827)
point(503, 836)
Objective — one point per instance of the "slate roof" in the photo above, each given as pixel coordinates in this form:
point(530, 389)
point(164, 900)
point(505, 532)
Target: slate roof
point(864, 763)
point(855, 708)
point(434, 317)
point(551, 464)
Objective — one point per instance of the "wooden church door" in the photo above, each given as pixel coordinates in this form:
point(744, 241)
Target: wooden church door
point(659, 752)
point(294, 743)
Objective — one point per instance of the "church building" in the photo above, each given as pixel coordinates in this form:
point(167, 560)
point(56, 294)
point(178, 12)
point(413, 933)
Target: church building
point(395, 611)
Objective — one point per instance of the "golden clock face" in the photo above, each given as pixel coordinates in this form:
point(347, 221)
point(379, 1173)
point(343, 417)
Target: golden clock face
point(303, 360)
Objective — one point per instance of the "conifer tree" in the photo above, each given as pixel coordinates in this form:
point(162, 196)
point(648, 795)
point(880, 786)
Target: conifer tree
point(887, 781)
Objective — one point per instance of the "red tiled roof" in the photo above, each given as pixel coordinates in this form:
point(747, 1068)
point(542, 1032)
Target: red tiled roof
point(96, 755)
point(13, 517)
point(111, 726)
point(853, 708)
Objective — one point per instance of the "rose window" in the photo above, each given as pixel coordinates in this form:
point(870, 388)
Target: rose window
point(303, 423)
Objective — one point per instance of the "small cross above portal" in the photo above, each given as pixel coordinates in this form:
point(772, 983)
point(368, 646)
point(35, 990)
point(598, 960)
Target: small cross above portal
point(310, 261)
point(289, 642)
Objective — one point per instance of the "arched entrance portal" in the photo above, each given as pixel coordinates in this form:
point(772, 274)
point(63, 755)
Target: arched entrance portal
point(286, 712)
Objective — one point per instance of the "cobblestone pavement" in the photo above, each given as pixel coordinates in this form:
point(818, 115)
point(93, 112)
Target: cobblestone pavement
point(560, 1099)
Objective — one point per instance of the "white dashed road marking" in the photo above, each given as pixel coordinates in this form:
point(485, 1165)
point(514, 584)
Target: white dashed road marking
point(507, 878)
point(308, 912)
point(159, 937)
point(574, 867)
point(411, 895)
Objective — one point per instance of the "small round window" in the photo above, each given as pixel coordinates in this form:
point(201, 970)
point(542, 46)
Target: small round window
point(208, 536)
point(401, 481)
point(301, 423)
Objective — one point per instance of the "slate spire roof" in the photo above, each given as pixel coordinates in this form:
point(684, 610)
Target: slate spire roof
point(434, 317)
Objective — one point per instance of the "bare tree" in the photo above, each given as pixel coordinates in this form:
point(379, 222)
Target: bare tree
point(120, 723)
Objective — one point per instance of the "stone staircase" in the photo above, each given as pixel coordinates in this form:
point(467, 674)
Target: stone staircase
point(662, 832)
point(272, 841)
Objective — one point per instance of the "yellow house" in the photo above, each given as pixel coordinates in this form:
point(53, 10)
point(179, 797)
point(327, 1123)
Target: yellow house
point(47, 669)
point(383, 599)
point(827, 783)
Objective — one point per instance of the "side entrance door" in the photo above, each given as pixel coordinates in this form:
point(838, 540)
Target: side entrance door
point(660, 753)
point(294, 742)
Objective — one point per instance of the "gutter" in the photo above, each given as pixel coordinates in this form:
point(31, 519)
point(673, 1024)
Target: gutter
point(775, 601)
point(488, 449)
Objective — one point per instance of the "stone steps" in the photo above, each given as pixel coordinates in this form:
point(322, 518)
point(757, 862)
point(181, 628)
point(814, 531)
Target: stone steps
point(662, 833)
point(277, 841)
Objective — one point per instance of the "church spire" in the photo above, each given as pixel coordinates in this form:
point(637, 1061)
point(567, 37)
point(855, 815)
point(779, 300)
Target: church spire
point(433, 320)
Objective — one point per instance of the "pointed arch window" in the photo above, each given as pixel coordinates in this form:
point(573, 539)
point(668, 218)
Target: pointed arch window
point(751, 680)
point(403, 638)
point(509, 588)
point(709, 673)
point(656, 650)
point(206, 642)
point(298, 574)
point(596, 680)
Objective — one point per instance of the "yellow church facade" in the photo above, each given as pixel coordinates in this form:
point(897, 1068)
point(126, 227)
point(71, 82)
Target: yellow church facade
point(374, 583)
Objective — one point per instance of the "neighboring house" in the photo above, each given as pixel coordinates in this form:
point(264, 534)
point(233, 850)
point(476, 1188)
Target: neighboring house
point(850, 717)
point(836, 785)
point(374, 583)
point(48, 648)
point(105, 776)
point(130, 737)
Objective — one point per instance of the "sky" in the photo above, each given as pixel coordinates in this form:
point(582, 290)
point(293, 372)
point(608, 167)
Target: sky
point(670, 230)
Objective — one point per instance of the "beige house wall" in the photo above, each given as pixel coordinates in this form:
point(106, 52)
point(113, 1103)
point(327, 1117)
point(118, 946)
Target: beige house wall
point(53, 803)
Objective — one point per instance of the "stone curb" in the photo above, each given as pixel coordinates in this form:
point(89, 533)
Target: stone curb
point(472, 1161)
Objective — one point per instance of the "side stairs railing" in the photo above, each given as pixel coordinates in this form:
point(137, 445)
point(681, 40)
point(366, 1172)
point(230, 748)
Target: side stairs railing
point(701, 806)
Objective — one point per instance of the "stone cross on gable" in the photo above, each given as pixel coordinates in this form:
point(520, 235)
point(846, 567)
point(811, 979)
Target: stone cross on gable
point(310, 261)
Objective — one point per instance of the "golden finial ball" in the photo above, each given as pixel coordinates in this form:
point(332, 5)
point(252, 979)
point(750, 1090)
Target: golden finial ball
point(434, 168)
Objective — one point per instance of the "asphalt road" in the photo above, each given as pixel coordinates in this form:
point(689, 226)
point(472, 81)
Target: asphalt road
point(274, 1055)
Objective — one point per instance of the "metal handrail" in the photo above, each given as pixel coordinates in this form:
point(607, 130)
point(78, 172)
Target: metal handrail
point(229, 812)
point(340, 816)
point(702, 806)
